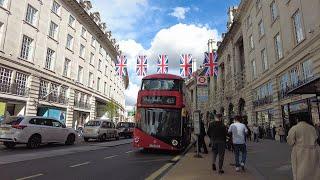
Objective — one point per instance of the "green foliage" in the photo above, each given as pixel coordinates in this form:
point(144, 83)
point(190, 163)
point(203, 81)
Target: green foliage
point(111, 109)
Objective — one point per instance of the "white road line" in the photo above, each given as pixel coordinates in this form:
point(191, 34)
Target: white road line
point(175, 159)
point(109, 157)
point(159, 171)
point(129, 152)
point(77, 165)
point(29, 177)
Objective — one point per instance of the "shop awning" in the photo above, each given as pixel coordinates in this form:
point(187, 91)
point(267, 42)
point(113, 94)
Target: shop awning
point(310, 87)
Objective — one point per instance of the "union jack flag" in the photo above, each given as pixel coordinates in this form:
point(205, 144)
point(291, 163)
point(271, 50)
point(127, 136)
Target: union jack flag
point(186, 65)
point(162, 64)
point(121, 65)
point(210, 64)
point(142, 64)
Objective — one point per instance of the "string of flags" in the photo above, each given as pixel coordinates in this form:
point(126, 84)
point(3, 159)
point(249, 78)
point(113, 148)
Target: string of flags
point(210, 65)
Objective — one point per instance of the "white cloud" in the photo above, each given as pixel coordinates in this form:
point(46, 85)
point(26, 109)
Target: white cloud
point(180, 12)
point(173, 41)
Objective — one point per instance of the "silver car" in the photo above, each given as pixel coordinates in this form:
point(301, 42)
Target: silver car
point(100, 130)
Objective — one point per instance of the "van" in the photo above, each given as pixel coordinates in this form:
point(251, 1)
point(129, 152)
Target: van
point(100, 130)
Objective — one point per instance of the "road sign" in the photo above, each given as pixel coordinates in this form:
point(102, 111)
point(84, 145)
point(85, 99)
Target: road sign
point(196, 122)
point(202, 81)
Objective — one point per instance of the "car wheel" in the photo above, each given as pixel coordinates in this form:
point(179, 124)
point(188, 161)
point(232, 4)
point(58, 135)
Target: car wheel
point(34, 141)
point(103, 138)
point(70, 139)
point(86, 139)
point(9, 145)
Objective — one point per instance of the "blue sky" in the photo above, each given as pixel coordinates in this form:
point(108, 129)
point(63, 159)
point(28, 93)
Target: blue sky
point(173, 27)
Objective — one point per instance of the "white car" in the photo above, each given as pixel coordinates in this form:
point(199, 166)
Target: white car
point(34, 131)
point(100, 129)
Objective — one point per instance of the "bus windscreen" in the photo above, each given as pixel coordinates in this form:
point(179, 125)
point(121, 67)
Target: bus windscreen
point(161, 84)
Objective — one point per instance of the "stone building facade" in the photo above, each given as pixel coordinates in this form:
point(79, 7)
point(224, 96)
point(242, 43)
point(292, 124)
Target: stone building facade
point(271, 47)
point(57, 59)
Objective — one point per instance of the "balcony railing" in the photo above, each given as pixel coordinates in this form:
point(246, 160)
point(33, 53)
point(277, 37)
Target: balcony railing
point(283, 94)
point(55, 99)
point(82, 105)
point(14, 89)
point(263, 101)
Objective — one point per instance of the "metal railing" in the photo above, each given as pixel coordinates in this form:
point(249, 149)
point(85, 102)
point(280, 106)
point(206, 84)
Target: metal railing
point(283, 94)
point(82, 105)
point(14, 89)
point(263, 101)
point(55, 99)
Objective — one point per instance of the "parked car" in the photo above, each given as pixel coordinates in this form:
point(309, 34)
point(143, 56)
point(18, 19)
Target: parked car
point(34, 131)
point(100, 129)
point(125, 129)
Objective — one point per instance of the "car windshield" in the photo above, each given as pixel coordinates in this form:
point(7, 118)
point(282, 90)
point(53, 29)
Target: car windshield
point(161, 84)
point(12, 120)
point(123, 125)
point(93, 123)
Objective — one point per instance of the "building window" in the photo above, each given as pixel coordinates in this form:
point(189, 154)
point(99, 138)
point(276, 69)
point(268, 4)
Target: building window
point(53, 30)
point(106, 71)
point(69, 44)
point(21, 83)
point(26, 48)
point(72, 21)
point(83, 32)
point(284, 81)
point(5, 79)
point(278, 46)
point(264, 59)
point(93, 42)
point(90, 82)
point(307, 69)
point(80, 74)
point(297, 22)
point(105, 88)
point(254, 69)
point(53, 96)
point(100, 49)
point(3, 3)
point(66, 67)
point(55, 8)
point(261, 28)
point(1, 31)
point(91, 59)
point(251, 42)
point(99, 65)
point(50, 59)
point(31, 16)
point(274, 11)
point(43, 89)
point(82, 51)
point(98, 84)
point(294, 76)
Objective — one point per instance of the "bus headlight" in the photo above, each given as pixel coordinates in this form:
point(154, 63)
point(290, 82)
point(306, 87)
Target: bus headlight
point(174, 142)
point(136, 139)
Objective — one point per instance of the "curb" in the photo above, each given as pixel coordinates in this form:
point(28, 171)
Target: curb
point(168, 166)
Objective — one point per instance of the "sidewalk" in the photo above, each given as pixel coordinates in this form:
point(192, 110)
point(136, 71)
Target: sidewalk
point(267, 159)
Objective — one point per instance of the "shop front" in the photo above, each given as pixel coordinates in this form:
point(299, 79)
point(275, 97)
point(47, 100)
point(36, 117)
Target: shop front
point(265, 120)
point(12, 108)
point(53, 112)
point(80, 118)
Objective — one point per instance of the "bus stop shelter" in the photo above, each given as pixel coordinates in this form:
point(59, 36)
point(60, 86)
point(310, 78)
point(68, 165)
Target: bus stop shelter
point(310, 87)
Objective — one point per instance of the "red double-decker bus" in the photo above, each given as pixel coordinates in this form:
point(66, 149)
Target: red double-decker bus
point(161, 121)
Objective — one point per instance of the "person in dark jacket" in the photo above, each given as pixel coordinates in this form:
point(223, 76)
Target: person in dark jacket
point(218, 133)
point(202, 143)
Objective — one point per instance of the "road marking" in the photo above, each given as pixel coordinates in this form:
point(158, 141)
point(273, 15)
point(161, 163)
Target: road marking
point(176, 159)
point(159, 171)
point(129, 152)
point(29, 177)
point(77, 165)
point(109, 157)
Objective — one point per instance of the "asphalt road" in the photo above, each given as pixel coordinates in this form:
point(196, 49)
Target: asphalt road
point(119, 162)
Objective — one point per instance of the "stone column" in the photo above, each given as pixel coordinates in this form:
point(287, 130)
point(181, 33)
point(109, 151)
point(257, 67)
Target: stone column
point(93, 113)
point(33, 99)
point(70, 109)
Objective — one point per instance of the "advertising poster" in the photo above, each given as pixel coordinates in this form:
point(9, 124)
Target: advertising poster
point(54, 113)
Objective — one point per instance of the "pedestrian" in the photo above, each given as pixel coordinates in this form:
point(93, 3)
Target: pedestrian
point(217, 132)
point(255, 133)
point(318, 131)
point(248, 136)
point(273, 132)
point(239, 132)
point(305, 155)
point(201, 142)
point(281, 133)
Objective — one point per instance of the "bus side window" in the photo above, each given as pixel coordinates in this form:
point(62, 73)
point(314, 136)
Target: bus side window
point(153, 118)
